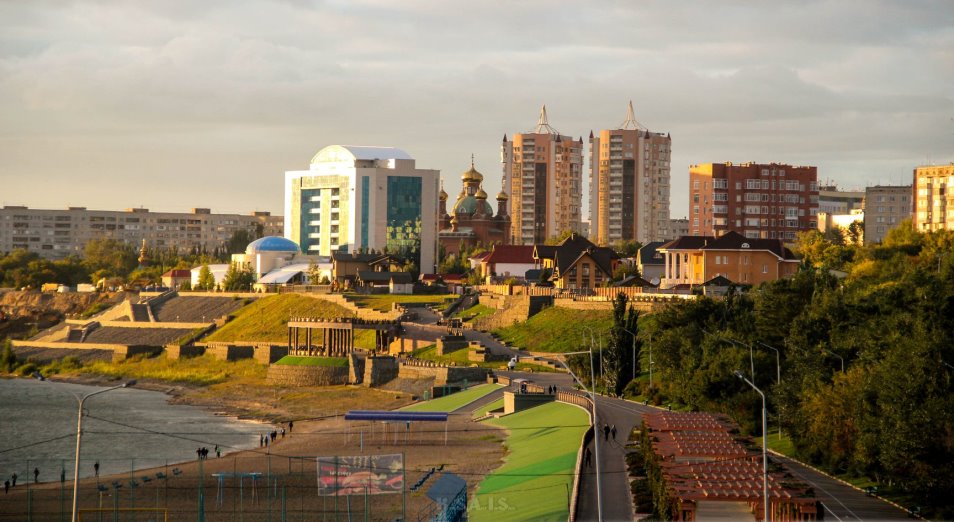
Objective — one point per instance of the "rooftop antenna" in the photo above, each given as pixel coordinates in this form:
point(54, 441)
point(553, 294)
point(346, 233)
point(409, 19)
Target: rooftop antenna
point(631, 122)
point(543, 126)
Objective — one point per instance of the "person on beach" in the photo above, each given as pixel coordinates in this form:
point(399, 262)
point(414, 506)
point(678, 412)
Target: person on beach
point(14, 478)
point(283, 433)
point(96, 468)
point(36, 475)
point(6, 486)
point(291, 424)
point(218, 451)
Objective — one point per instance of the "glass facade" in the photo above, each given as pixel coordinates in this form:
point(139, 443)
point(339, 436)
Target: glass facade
point(365, 196)
point(310, 211)
point(404, 217)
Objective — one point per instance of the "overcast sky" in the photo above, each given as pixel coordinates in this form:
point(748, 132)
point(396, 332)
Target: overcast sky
point(175, 104)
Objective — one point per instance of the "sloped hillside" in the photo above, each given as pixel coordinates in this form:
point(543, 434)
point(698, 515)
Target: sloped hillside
point(266, 319)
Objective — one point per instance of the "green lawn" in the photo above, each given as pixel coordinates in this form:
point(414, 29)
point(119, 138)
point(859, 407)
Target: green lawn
point(341, 362)
point(459, 358)
point(385, 302)
point(475, 312)
point(537, 476)
point(267, 320)
point(556, 329)
point(455, 401)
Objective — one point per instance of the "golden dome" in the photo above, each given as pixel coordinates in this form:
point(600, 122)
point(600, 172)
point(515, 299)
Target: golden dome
point(472, 176)
point(481, 194)
point(443, 195)
point(502, 196)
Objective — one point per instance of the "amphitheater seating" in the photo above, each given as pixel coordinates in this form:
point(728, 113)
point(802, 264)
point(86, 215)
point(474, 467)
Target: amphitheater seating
point(188, 309)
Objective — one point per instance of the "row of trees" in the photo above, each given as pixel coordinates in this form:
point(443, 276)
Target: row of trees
point(110, 259)
point(864, 338)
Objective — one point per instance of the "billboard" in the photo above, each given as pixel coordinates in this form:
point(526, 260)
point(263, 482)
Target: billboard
point(361, 474)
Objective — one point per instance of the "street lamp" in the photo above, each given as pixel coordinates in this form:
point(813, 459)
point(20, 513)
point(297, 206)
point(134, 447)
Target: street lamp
point(842, 359)
point(79, 436)
point(596, 437)
point(764, 447)
point(738, 343)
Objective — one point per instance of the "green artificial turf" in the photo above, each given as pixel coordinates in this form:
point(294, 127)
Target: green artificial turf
point(537, 476)
point(341, 362)
point(483, 410)
point(455, 401)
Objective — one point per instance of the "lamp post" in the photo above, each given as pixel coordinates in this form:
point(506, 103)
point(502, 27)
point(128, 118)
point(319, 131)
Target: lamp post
point(738, 343)
point(596, 438)
point(79, 438)
point(842, 359)
point(765, 501)
point(634, 351)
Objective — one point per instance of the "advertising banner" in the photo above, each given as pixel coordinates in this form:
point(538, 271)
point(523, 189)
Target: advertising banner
point(359, 475)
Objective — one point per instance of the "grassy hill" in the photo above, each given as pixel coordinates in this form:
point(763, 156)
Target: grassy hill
point(556, 329)
point(266, 319)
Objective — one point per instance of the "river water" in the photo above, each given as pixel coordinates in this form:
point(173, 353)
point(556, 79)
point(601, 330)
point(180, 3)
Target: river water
point(123, 430)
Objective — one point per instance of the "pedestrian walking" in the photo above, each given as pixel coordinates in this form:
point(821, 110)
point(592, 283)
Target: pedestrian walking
point(36, 475)
point(6, 486)
point(291, 424)
point(587, 457)
point(218, 451)
point(96, 468)
point(62, 475)
point(613, 431)
point(283, 433)
point(606, 431)
point(14, 478)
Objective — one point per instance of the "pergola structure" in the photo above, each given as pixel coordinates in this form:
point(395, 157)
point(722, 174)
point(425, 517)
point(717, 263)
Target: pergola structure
point(335, 337)
point(701, 460)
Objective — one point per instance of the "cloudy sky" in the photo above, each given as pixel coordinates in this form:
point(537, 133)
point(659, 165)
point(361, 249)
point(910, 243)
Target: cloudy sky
point(175, 104)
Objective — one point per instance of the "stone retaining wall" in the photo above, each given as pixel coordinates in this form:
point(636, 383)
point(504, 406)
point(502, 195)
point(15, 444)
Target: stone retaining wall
point(443, 375)
point(292, 375)
point(230, 352)
point(175, 351)
point(379, 370)
point(451, 343)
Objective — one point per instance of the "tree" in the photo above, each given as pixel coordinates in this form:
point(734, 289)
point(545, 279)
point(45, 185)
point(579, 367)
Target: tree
point(617, 359)
point(239, 241)
point(626, 247)
point(237, 278)
point(314, 273)
point(206, 279)
point(559, 238)
point(110, 258)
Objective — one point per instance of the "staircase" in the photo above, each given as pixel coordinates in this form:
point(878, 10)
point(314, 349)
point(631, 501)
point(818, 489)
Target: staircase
point(140, 313)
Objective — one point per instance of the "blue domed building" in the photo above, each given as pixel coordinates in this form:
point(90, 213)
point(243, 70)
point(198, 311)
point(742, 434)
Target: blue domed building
point(266, 254)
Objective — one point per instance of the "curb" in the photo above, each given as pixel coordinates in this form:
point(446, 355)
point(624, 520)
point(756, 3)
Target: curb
point(846, 483)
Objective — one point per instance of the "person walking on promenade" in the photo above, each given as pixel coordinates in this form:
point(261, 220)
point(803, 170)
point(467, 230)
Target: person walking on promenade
point(613, 431)
point(606, 431)
point(96, 468)
point(6, 486)
point(36, 475)
point(14, 478)
point(587, 457)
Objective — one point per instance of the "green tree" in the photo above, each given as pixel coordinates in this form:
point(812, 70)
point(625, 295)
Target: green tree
point(559, 238)
point(239, 240)
point(206, 280)
point(237, 278)
point(109, 258)
point(8, 360)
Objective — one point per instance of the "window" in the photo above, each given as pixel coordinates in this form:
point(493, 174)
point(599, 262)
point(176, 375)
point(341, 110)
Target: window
point(720, 183)
point(695, 185)
point(764, 269)
point(752, 184)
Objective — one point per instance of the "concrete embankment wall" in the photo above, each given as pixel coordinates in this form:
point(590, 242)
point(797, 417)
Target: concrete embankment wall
point(291, 375)
point(443, 374)
point(120, 352)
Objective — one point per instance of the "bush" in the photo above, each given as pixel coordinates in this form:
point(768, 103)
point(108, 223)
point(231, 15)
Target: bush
point(8, 360)
point(27, 368)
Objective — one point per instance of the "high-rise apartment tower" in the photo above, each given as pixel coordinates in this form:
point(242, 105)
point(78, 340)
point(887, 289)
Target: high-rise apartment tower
point(933, 193)
point(629, 183)
point(543, 170)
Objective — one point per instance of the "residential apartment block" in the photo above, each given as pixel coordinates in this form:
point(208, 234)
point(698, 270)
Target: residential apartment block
point(932, 194)
point(56, 234)
point(757, 200)
point(360, 198)
point(694, 260)
point(885, 208)
point(629, 183)
point(543, 171)
point(834, 201)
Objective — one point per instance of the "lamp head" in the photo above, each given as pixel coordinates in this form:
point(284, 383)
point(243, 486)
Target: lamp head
point(738, 374)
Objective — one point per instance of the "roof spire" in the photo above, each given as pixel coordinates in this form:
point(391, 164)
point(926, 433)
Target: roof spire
point(631, 122)
point(543, 126)
point(471, 160)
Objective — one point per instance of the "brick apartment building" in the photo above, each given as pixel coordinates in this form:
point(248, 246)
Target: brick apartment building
point(934, 209)
point(757, 200)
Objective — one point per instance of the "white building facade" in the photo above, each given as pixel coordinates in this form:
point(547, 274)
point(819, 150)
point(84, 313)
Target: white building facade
point(363, 198)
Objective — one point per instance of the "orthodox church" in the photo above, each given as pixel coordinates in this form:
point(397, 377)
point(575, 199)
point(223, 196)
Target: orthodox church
point(472, 221)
